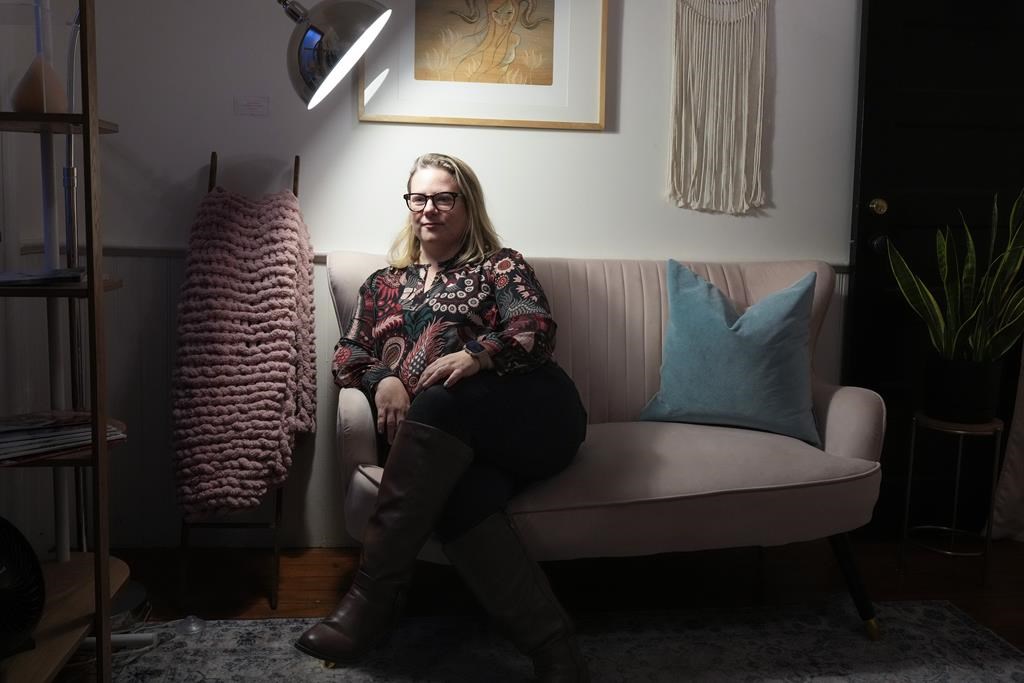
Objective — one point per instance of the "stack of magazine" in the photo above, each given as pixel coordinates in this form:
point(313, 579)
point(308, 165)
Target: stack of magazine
point(49, 433)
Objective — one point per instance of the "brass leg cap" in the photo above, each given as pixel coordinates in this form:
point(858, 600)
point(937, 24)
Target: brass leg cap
point(873, 630)
point(327, 665)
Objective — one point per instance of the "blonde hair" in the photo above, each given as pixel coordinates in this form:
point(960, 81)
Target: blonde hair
point(480, 241)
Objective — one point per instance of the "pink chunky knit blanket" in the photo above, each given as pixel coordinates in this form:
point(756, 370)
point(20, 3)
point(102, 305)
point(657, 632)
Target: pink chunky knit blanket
point(245, 370)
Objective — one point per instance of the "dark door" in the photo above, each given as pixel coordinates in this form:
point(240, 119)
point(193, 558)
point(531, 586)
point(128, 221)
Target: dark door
point(941, 131)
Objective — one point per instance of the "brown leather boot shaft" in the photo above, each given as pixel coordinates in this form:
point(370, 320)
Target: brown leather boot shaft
point(515, 591)
point(422, 468)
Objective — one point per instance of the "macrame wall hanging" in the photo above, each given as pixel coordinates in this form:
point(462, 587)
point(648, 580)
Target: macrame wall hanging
point(718, 104)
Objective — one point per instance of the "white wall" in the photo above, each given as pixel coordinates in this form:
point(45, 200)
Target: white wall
point(171, 90)
point(168, 74)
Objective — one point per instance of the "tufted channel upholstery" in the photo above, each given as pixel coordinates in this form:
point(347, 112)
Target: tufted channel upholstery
point(640, 488)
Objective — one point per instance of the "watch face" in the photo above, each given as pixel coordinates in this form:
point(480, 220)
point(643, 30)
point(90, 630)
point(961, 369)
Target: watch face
point(473, 346)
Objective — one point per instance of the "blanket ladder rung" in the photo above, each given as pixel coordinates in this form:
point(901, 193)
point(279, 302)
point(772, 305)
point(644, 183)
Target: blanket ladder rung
point(274, 525)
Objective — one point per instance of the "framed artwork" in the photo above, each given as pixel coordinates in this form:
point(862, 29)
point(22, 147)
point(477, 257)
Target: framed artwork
point(513, 63)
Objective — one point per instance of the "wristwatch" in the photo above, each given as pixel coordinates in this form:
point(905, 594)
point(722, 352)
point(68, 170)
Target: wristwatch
point(479, 352)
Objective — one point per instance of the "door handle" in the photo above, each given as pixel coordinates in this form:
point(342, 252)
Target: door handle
point(878, 206)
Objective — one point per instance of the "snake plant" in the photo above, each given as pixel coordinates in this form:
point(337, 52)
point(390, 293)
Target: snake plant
point(982, 313)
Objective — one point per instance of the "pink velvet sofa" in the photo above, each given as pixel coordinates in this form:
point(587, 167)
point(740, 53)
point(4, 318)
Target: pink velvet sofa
point(642, 488)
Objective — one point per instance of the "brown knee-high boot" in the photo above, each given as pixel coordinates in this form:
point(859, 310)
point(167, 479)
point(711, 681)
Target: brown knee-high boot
point(423, 465)
point(514, 590)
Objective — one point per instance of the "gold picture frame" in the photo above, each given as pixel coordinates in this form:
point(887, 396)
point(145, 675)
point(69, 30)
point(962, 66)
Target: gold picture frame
point(509, 63)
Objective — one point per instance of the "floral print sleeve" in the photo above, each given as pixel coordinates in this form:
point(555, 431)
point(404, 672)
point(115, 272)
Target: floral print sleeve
point(524, 332)
point(355, 363)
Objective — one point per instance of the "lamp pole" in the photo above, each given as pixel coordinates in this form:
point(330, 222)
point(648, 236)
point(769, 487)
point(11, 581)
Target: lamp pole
point(295, 10)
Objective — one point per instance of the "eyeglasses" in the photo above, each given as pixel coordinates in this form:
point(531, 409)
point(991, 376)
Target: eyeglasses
point(443, 201)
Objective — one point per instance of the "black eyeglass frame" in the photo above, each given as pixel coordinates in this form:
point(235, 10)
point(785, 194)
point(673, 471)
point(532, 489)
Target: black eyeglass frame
point(430, 197)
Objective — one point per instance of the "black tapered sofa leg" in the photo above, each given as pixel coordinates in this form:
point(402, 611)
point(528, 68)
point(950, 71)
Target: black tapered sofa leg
point(844, 555)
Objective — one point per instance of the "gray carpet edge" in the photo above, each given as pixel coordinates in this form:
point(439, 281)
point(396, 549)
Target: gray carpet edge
point(922, 640)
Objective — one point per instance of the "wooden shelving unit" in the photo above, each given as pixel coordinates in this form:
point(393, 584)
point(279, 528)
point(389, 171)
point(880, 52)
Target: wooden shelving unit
point(78, 592)
point(70, 456)
point(70, 601)
point(61, 124)
point(74, 290)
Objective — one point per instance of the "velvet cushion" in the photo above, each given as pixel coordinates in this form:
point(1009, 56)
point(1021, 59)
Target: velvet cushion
point(751, 370)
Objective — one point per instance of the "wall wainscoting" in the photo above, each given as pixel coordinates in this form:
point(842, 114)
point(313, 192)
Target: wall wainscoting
point(140, 346)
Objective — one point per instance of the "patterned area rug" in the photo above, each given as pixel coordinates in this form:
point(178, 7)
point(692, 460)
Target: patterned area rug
point(921, 641)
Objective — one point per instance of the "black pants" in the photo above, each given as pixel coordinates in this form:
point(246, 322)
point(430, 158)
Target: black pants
point(522, 428)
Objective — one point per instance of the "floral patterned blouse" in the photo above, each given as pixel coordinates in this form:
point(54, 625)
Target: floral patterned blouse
point(400, 327)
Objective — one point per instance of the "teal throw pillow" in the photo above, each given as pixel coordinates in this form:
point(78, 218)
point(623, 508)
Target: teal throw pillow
point(751, 370)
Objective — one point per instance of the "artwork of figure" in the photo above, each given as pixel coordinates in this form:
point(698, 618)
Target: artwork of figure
point(485, 41)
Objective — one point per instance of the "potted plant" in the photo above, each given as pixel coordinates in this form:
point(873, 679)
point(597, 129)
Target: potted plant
point(980, 317)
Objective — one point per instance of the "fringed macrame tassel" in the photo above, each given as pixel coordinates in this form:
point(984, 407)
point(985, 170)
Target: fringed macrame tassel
point(718, 104)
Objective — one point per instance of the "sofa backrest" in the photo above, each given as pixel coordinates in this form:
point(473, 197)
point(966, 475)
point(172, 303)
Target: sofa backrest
point(611, 315)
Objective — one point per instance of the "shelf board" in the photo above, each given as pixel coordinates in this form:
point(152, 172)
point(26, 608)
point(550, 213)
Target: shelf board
point(67, 618)
point(75, 457)
point(75, 290)
point(19, 122)
point(78, 456)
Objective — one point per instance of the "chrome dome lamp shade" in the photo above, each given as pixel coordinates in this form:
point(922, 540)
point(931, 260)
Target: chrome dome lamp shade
point(328, 41)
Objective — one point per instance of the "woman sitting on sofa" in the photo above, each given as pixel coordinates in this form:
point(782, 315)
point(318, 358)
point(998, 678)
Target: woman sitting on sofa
point(452, 343)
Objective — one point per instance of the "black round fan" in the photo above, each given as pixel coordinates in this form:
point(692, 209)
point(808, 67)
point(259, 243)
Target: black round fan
point(22, 591)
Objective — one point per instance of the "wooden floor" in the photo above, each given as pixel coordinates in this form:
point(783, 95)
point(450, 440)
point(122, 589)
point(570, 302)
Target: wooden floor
point(235, 583)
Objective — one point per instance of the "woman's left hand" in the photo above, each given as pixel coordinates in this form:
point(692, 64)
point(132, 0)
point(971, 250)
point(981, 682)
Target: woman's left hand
point(449, 369)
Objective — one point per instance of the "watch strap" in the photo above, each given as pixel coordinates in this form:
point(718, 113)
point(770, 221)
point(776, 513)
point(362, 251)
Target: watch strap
point(480, 354)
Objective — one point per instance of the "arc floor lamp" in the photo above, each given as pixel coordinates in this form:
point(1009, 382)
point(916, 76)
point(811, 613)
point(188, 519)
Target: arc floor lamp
point(328, 41)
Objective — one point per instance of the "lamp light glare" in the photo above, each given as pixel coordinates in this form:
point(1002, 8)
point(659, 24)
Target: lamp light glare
point(374, 86)
point(349, 59)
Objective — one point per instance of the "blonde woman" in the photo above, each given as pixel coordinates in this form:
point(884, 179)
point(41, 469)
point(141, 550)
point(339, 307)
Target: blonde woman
point(452, 345)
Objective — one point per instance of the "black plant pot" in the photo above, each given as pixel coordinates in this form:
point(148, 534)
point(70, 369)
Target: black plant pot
point(962, 390)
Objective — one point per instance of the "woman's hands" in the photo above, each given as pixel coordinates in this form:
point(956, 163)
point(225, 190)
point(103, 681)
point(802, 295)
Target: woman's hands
point(392, 404)
point(449, 369)
point(393, 400)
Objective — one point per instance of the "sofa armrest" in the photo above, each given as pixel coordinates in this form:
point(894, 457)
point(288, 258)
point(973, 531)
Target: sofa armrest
point(356, 436)
point(851, 420)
